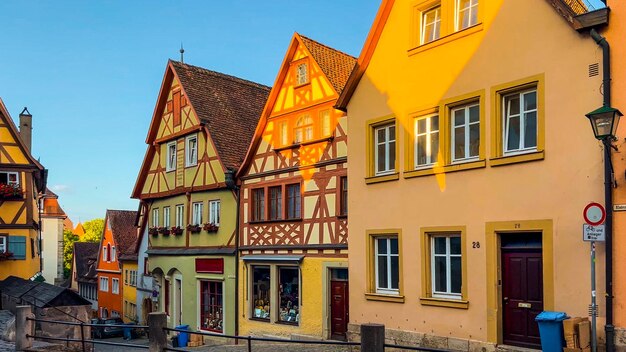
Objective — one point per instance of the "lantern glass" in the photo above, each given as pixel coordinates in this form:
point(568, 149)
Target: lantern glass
point(604, 122)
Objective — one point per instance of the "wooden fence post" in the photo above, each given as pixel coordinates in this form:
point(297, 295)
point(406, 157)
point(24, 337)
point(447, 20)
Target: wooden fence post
point(23, 327)
point(372, 338)
point(158, 338)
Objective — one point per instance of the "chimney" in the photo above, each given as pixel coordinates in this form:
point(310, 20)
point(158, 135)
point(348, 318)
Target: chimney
point(26, 127)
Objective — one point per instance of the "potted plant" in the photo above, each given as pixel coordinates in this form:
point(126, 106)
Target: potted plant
point(210, 227)
point(10, 191)
point(194, 228)
point(153, 231)
point(176, 230)
point(164, 231)
point(6, 255)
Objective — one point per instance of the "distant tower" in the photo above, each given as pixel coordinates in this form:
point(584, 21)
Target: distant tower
point(182, 52)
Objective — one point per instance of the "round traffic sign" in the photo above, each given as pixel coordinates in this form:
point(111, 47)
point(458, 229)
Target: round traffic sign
point(594, 214)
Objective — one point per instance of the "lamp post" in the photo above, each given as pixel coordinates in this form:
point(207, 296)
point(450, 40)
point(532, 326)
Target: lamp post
point(604, 123)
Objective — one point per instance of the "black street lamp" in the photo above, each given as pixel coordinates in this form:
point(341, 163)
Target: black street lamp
point(604, 122)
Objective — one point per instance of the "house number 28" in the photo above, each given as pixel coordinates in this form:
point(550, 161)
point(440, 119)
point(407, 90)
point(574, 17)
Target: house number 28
point(475, 244)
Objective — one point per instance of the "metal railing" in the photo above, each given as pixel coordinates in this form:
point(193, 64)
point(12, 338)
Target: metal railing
point(249, 339)
point(84, 341)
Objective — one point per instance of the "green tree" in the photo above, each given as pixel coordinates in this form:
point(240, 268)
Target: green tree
point(68, 251)
point(93, 230)
point(93, 233)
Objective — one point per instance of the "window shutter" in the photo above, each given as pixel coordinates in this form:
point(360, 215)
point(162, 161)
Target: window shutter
point(17, 246)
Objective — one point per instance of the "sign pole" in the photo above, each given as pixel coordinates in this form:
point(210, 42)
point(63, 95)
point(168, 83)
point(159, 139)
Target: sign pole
point(593, 308)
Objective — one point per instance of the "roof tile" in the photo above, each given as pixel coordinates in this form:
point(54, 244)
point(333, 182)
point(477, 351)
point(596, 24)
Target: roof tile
point(335, 64)
point(122, 223)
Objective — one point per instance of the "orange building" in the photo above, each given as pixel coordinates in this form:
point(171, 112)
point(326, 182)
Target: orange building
point(118, 238)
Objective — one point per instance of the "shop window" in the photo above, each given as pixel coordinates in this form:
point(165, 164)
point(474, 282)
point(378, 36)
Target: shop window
point(261, 292)
point(211, 306)
point(294, 202)
point(289, 293)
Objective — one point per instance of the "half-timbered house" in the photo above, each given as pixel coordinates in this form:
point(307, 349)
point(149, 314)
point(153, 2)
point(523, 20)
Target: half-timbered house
point(22, 179)
point(201, 128)
point(293, 267)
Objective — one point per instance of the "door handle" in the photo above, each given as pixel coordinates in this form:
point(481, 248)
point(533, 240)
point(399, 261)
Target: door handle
point(506, 300)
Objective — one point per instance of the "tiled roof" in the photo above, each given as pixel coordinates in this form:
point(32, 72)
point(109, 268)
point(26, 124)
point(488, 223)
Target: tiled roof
point(122, 223)
point(79, 230)
point(51, 205)
point(335, 64)
point(230, 108)
point(577, 6)
point(40, 294)
point(85, 254)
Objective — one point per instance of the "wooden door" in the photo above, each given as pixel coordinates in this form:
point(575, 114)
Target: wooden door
point(338, 309)
point(522, 296)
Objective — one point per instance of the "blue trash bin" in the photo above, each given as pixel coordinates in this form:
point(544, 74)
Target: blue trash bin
point(551, 330)
point(183, 337)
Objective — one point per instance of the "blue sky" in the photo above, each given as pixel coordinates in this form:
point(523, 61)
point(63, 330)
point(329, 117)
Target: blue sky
point(90, 72)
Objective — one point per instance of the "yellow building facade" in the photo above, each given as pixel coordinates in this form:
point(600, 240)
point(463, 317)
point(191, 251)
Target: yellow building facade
point(293, 208)
point(471, 161)
point(22, 180)
point(129, 292)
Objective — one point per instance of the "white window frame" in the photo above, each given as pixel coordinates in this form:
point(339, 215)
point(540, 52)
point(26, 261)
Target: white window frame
point(302, 73)
point(472, 6)
point(466, 125)
point(104, 284)
point(166, 217)
point(104, 253)
point(386, 290)
point(16, 176)
point(170, 161)
point(4, 244)
point(214, 212)
point(197, 208)
point(283, 133)
point(522, 122)
point(436, 24)
point(191, 154)
point(112, 253)
point(180, 215)
point(388, 168)
point(115, 286)
point(429, 131)
point(155, 217)
point(433, 279)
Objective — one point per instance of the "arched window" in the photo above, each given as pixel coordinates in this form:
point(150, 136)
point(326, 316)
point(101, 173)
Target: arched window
point(108, 252)
point(304, 129)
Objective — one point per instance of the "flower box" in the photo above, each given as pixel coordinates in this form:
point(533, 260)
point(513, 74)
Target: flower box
point(176, 230)
point(6, 255)
point(194, 228)
point(153, 231)
point(164, 231)
point(10, 191)
point(210, 227)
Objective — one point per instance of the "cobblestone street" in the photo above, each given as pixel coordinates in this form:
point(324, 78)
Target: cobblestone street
point(6, 346)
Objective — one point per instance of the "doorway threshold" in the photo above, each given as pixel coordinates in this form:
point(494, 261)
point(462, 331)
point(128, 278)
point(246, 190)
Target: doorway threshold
point(511, 348)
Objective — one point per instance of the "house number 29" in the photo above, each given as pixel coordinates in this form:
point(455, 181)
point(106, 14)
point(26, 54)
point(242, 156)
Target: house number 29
point(475, 244)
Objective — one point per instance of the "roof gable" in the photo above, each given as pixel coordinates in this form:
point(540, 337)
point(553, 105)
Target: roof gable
point(17, 153)
point(122, 224)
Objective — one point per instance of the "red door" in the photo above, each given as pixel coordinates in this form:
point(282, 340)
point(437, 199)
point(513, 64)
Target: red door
point(338, 309)
point(522, 296)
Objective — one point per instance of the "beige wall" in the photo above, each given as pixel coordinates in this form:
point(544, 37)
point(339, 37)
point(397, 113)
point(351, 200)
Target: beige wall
point(52, 249)
point(516, 40)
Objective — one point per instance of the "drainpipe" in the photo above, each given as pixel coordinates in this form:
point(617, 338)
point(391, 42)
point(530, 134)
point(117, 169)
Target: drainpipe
point(231, 183)
point(609, 328)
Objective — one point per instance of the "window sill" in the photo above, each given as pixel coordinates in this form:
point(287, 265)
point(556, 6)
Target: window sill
point(307, 83)
point(288, 323)
point(342, 216)
point(445, 169)
point(442, 302)
point(191, 165)
point(382, 178)
point(443, 40)
point(260, 319)
point(384, 298)
point(274, 221)
point(517, 158)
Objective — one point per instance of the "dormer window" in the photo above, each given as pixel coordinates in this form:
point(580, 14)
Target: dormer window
point(302, 74)
point(170, 162)
point(431, 25)
point(467, 13)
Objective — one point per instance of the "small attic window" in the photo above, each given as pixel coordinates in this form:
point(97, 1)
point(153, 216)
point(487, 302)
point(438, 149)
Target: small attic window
point(302, 74)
